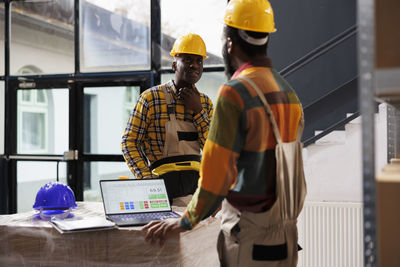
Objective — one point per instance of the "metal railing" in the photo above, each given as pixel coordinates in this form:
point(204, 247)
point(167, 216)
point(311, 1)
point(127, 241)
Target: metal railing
point(330, 129)
point(311, 56)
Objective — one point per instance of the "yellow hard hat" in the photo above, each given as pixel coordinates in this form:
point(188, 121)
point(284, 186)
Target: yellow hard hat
point(189, 44)
point(250, 15)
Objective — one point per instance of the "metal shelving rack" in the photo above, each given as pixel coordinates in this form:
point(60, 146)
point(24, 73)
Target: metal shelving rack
point(379, 72)
point(366, 60)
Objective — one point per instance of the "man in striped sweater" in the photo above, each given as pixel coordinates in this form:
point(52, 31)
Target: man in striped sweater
point(239, 161)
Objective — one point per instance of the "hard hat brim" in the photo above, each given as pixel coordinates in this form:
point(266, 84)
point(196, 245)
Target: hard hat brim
point(177, 54)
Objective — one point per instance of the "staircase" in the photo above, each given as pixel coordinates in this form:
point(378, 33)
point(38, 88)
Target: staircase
point(332, 164)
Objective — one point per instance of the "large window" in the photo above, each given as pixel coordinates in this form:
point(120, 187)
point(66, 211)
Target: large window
point(44, 31)
point(113, 66)
point(201, 17)
point(115, 35)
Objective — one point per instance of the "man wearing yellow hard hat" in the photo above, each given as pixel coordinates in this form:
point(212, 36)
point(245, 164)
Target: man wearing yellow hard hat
point(251, 162)
point(169, 124)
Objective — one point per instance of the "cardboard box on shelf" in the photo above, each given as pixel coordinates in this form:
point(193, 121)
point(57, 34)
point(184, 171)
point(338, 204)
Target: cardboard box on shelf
point(388, 215)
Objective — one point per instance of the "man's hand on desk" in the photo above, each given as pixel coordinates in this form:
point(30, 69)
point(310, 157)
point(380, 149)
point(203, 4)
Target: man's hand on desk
point(161, 230)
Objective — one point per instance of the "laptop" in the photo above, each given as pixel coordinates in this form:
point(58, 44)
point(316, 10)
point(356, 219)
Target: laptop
point(131, 202)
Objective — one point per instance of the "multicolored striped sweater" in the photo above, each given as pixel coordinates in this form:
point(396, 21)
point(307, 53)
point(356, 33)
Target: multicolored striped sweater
point(238, 161)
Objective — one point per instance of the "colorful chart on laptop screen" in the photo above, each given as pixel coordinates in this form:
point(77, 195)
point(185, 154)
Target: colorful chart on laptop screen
point(134, 196)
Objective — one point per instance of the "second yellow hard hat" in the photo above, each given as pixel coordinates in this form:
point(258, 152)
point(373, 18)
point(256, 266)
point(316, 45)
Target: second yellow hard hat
point(250, 15)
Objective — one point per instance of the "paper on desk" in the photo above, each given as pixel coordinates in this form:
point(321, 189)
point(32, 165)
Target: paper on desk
point(93, 223)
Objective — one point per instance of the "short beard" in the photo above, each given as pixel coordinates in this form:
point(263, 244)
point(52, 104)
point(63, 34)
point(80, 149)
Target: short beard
point(229, 69)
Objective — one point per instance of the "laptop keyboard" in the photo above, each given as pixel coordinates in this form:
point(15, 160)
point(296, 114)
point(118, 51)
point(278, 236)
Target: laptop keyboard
point(146, 216)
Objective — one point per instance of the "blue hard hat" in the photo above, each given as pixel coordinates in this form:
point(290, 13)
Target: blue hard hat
point(54, 197)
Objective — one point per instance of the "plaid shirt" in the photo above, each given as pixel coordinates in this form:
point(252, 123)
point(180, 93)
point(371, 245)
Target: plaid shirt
point(144, 137)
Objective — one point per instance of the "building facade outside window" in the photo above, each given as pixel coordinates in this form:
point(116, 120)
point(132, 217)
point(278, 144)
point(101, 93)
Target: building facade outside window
point(33, 118)
point(32, 121)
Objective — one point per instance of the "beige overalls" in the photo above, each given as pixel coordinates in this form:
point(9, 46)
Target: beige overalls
point(175, 146)
point(181, 157)
point(268, 238)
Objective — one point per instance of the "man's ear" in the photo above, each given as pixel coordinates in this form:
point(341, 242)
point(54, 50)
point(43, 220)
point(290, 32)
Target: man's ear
point(229, 45)
point(174, 65)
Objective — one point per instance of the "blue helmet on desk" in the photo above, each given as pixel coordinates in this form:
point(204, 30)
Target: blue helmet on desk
point(54, 199)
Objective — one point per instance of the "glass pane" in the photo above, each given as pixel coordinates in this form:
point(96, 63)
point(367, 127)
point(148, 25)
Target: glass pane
point(106, 112)
point(26, 96)
point(2, 109)
point(192, 16)
point(31, 176)
point(41, 96)
point(33, 131)
point(1, 38)
point(208, 84)
point(42, 33)
point(96, 171)
point(115, 35)
point(132, 94)
point(42, 128)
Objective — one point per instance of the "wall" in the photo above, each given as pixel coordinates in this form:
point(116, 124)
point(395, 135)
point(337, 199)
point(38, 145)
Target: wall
point(305, 25)
point(333, 166)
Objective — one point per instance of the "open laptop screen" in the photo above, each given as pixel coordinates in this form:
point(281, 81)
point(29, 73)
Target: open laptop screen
point(134, 196)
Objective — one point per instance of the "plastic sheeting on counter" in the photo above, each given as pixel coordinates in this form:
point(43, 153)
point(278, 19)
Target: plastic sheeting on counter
point(27, 241)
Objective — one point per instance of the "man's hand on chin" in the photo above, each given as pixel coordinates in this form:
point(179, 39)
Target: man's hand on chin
point(191, 98)
point(161, 230)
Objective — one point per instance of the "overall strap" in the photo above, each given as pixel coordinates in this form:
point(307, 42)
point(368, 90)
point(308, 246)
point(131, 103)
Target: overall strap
point(266, 106)
point(270, 115)
point(170, 107)
point(300, 127)
point(168, 98)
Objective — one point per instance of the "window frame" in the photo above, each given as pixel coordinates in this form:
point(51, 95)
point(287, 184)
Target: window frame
point(74, 82)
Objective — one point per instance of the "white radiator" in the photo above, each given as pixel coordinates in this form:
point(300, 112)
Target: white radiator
point(331, 234)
